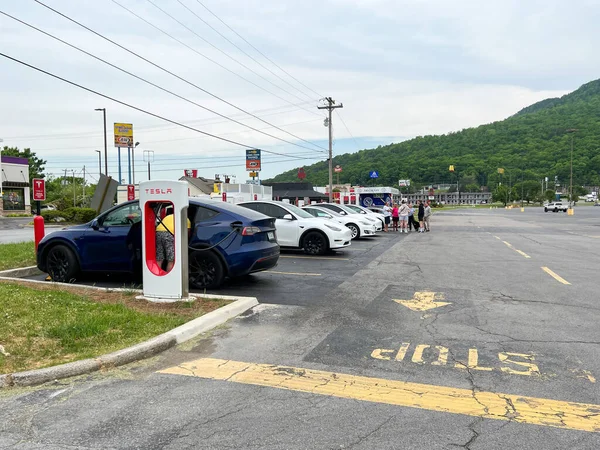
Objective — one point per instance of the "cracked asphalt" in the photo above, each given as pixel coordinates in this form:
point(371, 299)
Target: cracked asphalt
point(511, 332)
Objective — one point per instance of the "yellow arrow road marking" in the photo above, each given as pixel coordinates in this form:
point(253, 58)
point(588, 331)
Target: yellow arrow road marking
point(555, 276)
point(488, 405)
point(424, 301)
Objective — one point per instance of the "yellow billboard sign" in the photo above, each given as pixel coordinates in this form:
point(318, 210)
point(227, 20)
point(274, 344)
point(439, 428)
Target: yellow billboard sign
point(123, 135)
point(451, 168)
point(253, 174)
point(500, 170)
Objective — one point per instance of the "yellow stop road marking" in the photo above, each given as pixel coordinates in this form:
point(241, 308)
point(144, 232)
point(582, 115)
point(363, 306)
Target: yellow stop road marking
point(489, 405)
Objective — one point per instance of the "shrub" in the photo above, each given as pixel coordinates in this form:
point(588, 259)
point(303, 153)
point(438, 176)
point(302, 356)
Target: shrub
point(53, 216)
point(79, 215)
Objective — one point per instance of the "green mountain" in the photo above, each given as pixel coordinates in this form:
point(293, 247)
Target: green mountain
point(532, 144)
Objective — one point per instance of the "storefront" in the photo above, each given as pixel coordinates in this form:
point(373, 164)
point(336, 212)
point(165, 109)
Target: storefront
point(15, 186)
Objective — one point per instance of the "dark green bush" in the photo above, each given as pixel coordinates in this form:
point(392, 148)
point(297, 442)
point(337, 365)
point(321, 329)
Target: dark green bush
point(79, 215)
point(53, 215)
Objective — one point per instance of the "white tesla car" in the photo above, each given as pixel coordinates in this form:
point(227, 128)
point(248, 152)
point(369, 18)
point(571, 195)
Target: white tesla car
point(297, 228)
point(359, 226)
point(363, 210)
point(344, 210)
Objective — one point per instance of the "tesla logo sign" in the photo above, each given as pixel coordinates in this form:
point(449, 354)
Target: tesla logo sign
point(39, 189)
point(159, 191)
point(130, 192)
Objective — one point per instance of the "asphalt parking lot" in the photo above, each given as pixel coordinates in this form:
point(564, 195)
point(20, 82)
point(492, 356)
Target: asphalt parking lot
point(482, 334)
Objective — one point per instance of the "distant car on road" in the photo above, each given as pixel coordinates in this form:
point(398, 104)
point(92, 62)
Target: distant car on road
point(556, 206)
point(296, 228)
point(245, 242)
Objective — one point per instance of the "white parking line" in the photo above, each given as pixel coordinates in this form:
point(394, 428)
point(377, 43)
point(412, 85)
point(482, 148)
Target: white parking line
point(294, 273)
point(315, 257)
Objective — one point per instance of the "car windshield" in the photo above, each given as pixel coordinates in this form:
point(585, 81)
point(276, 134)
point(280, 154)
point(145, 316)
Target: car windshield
point(348, 210)
point(299, 212)
point(331, 212)
point(355, 208)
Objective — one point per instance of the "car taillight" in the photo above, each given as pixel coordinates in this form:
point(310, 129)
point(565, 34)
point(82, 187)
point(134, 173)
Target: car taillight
point(249, 231)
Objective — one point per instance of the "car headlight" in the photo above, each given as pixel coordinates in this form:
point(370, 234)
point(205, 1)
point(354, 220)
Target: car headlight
point(331, 227)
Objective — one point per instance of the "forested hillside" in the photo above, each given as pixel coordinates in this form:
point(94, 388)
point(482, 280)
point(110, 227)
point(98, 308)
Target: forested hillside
point(535, 141)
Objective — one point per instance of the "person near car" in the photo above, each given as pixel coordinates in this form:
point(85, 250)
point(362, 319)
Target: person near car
point(427, 215)
point(411, 217)
point(403, 212)
point(387, 214)
point(421, 216)
point(165, 242)
point(395, 217)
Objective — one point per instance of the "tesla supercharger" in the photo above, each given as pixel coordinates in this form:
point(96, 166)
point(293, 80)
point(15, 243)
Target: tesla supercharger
point(158, 199)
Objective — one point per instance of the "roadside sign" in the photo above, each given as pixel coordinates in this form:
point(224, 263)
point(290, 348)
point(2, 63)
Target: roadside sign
point(301, 173)
point(123, 135)
point(403, 183)
point(337, 169)
point(431, 197)
point(253, 160)
point(190, 173)
point(130, 192)
point(39, 189)
point(451, 168)
point(373, 174)
point(253, 174)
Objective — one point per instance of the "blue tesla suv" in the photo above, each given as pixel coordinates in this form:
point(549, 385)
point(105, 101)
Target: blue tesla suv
point(243, 242)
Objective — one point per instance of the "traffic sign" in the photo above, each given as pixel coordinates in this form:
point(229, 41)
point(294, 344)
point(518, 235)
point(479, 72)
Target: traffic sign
point(39, 189)
point(373, 174)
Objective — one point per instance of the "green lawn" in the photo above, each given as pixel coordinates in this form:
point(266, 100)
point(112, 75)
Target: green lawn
point(45, 326)
point(21, 254)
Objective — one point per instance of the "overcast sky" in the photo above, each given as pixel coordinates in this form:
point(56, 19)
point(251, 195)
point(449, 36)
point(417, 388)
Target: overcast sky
point(401, 69)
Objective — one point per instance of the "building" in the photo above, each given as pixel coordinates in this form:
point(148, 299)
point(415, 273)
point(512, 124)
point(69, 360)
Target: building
point(15, 186)
point(452, 198)
point(296, 191)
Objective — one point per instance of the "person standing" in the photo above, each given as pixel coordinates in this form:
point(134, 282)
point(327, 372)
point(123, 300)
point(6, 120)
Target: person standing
point(403, 212)
point(387, 214)
point(427, 215)
point(421, 216)
point(395, 216)
point(411, 217)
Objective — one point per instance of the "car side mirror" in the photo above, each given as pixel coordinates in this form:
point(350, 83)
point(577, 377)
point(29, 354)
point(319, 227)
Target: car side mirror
point(95, 224)
point(288, 217)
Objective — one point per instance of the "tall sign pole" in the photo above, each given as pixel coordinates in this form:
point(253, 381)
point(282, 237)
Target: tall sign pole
point(330, 107)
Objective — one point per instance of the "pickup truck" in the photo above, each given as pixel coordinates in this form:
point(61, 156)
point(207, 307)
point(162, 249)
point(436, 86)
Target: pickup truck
point(556, 206)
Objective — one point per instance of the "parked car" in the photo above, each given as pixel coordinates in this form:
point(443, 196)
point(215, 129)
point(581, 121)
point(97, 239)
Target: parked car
point(298, 229)
point(359, 227)
point(344, 210)
point(366, 211)
point(112, 243)
point(556, 206)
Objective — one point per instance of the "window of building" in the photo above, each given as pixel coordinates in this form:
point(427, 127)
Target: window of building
point(14, 199)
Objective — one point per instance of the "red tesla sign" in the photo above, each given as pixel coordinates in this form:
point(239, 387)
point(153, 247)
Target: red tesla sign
point(301, 173)
point(130, 192)
point(39, 189)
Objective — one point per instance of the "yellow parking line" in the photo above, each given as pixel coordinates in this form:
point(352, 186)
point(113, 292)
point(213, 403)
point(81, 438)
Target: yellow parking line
point(315, 257)
point(497, 238)
point(294, 273)
point(488, 405)
point(516, 250)
point(555, 276)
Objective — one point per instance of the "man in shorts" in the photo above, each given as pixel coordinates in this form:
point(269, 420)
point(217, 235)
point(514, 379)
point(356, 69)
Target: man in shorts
point(165, 242)
point(387, 214)
point(403, 211)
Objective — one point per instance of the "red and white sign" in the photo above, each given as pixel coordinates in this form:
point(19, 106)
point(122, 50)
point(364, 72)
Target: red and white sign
point(39, 189)
point(337, 169)
point(301, 173)
point(191, 173)
point(224, 196)
point(130, 192)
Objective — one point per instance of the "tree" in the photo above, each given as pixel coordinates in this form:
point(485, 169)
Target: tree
point(472, 187)
point(500, 195)
point(550, 195)
point(528, 190)
point(36, 165)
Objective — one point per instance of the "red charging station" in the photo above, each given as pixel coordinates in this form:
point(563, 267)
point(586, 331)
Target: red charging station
point(164, 205)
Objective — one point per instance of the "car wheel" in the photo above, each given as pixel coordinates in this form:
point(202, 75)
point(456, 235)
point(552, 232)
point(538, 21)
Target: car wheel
point(315, 243)
point(545, 209)
point(555, 210)
point(355, 230)
point(61, 264)
point(205, 270)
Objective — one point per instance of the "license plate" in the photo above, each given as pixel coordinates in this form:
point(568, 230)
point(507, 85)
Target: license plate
point(271, 235)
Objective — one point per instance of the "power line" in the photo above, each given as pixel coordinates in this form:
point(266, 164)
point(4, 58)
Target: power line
point(348, 130)
point(171, 73)
point(135, 107)
point(206, 57)
point(221, 51)
point(265, 56)
point(154, 84)
point(241, 50)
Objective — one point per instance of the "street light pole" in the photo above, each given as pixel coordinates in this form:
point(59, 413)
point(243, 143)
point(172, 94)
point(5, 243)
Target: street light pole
point(1, 173)
point(572, 131)
point(148, 157)
point(105, 143)
point(133, 160)
point(99, 161)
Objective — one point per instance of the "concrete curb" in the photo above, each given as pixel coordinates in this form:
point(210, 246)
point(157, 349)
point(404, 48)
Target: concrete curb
point(136, 352)
point(21, 272)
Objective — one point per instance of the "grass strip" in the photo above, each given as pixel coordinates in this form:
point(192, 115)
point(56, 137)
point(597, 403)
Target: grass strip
point(45, 326)
point(21, 254)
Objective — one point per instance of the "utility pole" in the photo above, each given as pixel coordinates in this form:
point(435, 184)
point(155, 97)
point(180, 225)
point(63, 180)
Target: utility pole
point(572, 131)
point(105, 143)
point(83, 187)
point(330, 107)
point(74, 191)
point(148, 157)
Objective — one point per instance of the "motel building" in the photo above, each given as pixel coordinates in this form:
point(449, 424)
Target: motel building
point(15, 186)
